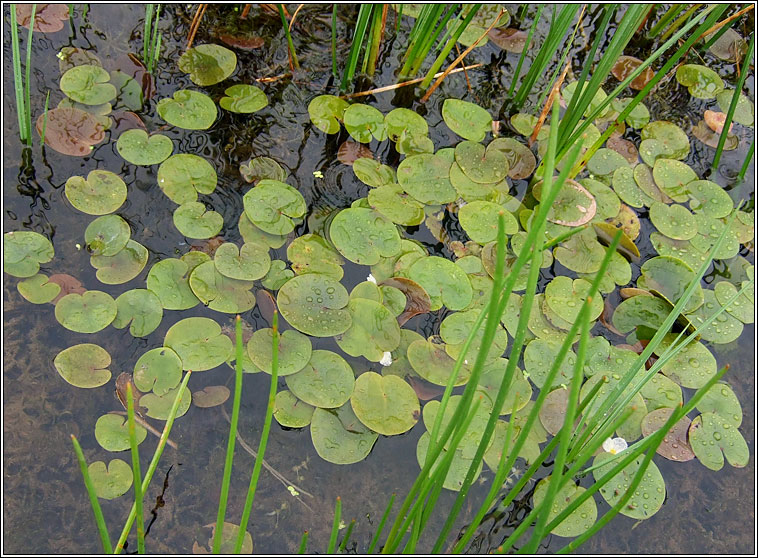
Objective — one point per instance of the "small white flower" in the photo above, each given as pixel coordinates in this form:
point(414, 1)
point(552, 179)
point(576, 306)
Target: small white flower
point(615, 445)
point(386, 359)
point(465, 361)
point(78, 246)
point(371, 279)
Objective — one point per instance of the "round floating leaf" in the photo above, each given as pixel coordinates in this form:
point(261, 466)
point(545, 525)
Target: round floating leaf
point(210, 396)
point(669, 277)
point(349, 151)
point(190, 110)
point(459, 465)
point(88, 84)
point(294, 351)
point(444, 282)
point(391, 201)
point(86, 313)
point(339, 437)
point(137, 148)
point(158, 370)
point(373, 331)
point(312, 254)
point(702, 82)
point(141, 310)
point(208, 64)
point(84, 365)
point(259, 168)
point(466, 119)
point(326, 381)
point(372, 172)
point(123, 267)
point(291, 412)
point(272, 205)
point(39, 289)
point(182, 176)
point(710, 198)
point(519, 392)
point(574, 205)
point(472, 191)
point(682, 249)
point(724, 329)
point(250, 233)
point(364, 236)
point(524, 123)
point(23, 251)
point(521, 160)
point(692, 367)
point(159, 406)
point(107, 235)
point(112, 482)
point(481, 165)
point(426, 177)
point(674, 445)
point(112, 432)
point(199, 342)
point(169, 279)
point(431, 362)
point(243, 98)
point(743, 308)
point(566, 297)
point(598, 98)
point(315, 304)
point(539, 356)
point(744, 113)
point(705, 134)
point(385, 404)
point(714, 437)
point(720, 399)
point(625, 66)
point(729, 46)
point(364, 122)
point(48, 18)
point(660, 392)
point(673, 142)
point(403, 121)
point(649, 311)
point(674, 221)
point(672, 177)
point(221, 293)
point(326, 112)
point(455, 329)
point(193, 220)
point(248, 263)
point(511, 40)
point(102, 192)
point(579, 520)
point(71, 131)
point(647, 498)
point(605, 161)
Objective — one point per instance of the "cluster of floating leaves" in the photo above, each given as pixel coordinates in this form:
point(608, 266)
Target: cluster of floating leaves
point(348, 407)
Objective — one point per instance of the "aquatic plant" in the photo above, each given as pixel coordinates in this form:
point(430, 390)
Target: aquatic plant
point(21, 82)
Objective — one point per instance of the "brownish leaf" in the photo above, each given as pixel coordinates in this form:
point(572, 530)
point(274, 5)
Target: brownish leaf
point(210, 396)
point(126, 120)
point(625, 65)
point(266, 304)
point(704, 133)
point(511, 40)
point(424, 390)
point(71, 131)
point(243, 43)
point(48, 18)
point(68, 283)
point(623, 147)
point(349, 151)
point(674, 446)
point(417, 300)
point(716, 121)
point(208, 246)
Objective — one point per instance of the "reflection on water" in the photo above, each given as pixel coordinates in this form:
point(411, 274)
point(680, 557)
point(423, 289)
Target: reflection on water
point(45, 506)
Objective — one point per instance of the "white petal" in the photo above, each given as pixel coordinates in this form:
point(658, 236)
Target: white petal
point(372, 280)
point(386, 359)
point(615, 445)
point(608, 445)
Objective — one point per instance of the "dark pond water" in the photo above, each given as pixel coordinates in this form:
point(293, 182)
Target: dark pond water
point(45, 508)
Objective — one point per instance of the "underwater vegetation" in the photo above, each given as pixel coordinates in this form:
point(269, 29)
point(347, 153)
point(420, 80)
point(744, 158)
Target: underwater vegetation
point(553, 336)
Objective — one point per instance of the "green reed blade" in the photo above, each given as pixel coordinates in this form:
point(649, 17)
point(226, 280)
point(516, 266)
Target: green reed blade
point(27, 81)
point(99, 519)
point(680, 20)
point(135, 470)
point(154, 462)
point(429, 40)
point(146, 33)
point(528, 43)
point(364, 14)
point(733, 105)
point(335, 526)
point(303, 543)
point(44, 119)
point(264, 436)
point(423, 30)
point(290, 45)
point(670, 14)
point(746, 162)
point(227, 475)
point(380, 527)
point(346, 538)
point(155, 42)
point(449, 46)
point(334, 43)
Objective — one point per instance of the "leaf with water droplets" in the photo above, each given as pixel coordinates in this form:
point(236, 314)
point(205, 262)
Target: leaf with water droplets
point(650, 493)
point(291, 412)
point(315, 304)
point(199, 342)
point(339, 437)
point(713, 437)
point(110, 482)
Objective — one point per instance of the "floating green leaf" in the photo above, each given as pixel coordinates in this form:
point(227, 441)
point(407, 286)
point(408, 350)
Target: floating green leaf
point(373, 331)
point(169, 279)
point(403, 121)
point(112, 482)
point(102, 192)
point(190, 110)
point(86, 313)
point(210, 396)
point(744, 113)
point(364, 123)
point(649, 311)
point(339, 437)
point(647, 498)
point(294, 351)
point(159, 406)
point(208, 64)
point(364, 236)
point(539, 356)
point(38, 289)
point(199, 342)
point(315, 304)
point(291, 412)
point(107, 235)
point(84, 365)
point(385, 404)
point(724, 329)
point(455, 329)
point(141, 310)
point(248, 263)
point(137, 148)
point(672, 141)
point(466, 119)
point(243, 98)
point(702, 82)
point(326, 112)
point(112, 432)
point(579, 520)
point(183, 175)
point(710, 198)
point(391, 201)
point(426, 178)
point(221, 293)
point(674, 221)
point(259, 168)
point(312, 254)
point(158, 370)
point(194, 220)
point(669, 277)
point(326, 381)
point(714, 437)
point(23, 251)
point(372, 172)
point(272, 206)
point(481, 165)
point(88, 84)
point(566, 297)
point(122, 267)
point(431, 362)
point(720, 399)
point(743, 308)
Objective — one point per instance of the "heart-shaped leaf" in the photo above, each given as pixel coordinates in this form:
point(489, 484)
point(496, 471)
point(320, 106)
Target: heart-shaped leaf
point(88, 85)
point(23, 251)
point(315, 304)
point(84, 365)
point(190, 110)
point(141, 310)
point(386, 404)
point(272, 206)
point(199, 342)
point(327, 381)
point(110, 482)
point(86, 313)
point(339, 437)
point(102, 192)
point(183, 176)
point(466, 119)
point(208, 64)
point(193, 220)
point(112, 432)
point(137, 148)
point(244, 99)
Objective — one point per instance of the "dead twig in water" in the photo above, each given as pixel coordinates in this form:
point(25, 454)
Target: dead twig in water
point(245, 11)
point(398, 85)
point(294, 15)
point(549, 102)
point(195, 25)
